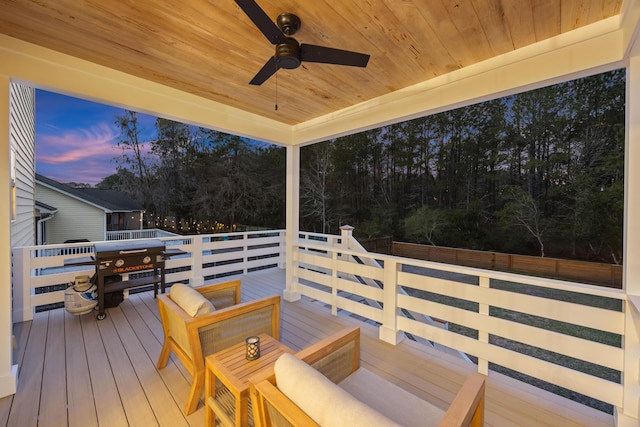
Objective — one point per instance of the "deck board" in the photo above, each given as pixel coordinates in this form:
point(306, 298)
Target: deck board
point(79, 390)
point(136, 405)
point(23, 410)
point(108, 368)
point(132, 334)
point(109, 409)
point(53, 410)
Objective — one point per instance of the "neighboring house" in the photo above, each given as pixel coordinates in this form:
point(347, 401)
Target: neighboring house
point(82, 213)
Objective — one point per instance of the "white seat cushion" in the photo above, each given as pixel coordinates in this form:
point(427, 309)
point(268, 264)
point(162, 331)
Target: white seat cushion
point(190, 300)
point(322, 400)
point(394, 402)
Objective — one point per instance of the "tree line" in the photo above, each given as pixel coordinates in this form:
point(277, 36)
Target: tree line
point(195, 180)
point(539, 172)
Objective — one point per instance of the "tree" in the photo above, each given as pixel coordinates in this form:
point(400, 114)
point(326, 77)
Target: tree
point(425, 225)
point(176, 148)
point(134, 158)
point(522, 210)
point(315, 196)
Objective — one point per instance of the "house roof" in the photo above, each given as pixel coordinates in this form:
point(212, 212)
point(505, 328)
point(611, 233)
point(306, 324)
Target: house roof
point(44, 208)
point(109, 200)
point(194, 63)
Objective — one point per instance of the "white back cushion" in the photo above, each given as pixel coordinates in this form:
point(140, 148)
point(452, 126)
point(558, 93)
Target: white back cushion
point(190, 300)
point(323, 401)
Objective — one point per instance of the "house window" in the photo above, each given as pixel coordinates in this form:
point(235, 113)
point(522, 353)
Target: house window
point(12, 159)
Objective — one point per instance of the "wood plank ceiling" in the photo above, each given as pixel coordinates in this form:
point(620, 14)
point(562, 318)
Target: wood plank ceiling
point(212, 49)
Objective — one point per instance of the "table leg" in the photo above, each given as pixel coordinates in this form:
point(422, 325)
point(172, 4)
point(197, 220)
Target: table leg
point(209, 391)
point(242, 410)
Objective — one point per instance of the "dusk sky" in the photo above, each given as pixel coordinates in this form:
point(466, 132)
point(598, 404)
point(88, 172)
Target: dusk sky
point(76, 139)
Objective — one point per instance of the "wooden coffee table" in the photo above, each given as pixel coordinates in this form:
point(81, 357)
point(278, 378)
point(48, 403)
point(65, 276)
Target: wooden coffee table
point(227, 381)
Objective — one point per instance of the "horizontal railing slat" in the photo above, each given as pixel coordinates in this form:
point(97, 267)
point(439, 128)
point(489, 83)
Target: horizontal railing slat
point(590, 351)
point(588, 385)
point(591, 317)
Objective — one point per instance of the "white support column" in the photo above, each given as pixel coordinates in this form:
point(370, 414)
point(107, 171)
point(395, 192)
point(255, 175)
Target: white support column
point(8, 371)
point(629, 414)
point(293, 221)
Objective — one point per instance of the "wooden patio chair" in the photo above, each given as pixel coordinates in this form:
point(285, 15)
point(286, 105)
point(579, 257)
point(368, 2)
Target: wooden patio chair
point(324, 385)
point(193, 338)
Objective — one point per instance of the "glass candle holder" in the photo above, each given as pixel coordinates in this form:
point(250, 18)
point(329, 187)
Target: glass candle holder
point(253, 348)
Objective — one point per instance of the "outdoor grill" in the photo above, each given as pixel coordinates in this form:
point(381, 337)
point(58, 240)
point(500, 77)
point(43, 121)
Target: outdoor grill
point(116, 260)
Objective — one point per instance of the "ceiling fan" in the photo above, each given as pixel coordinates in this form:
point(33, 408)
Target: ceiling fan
point(289, 53)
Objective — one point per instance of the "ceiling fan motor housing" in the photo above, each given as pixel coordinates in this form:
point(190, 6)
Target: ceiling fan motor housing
point(288, 23)
point(288, 54)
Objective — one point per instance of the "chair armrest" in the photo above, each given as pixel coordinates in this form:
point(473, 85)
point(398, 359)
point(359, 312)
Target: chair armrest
point(336, 356)
point(323, 349)
point(467, 408)
point(269, 405)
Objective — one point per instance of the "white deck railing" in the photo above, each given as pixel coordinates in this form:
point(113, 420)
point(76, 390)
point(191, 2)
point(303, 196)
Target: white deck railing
point(584, 324)
point(494, 313)
point(147, 233)
point(40, 276)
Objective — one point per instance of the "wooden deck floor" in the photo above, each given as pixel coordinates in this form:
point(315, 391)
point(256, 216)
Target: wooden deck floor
point(78, 372)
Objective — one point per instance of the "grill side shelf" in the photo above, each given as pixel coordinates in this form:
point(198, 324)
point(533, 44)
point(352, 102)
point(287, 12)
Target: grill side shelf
point(87, 260)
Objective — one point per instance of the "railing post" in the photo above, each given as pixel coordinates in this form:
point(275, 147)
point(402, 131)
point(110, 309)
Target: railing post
point(245, 253)
point(334, 283)
point(389, 329)
point(346, 234)
point(282, 260)
point(22, 310)
point(483, 336)
point(197, 278)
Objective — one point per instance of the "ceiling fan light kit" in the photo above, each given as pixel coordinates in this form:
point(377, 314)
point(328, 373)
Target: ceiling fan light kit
point(289, 54)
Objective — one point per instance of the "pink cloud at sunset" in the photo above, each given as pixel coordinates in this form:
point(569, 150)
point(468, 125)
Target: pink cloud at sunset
point(77, 145)
point(76, 140)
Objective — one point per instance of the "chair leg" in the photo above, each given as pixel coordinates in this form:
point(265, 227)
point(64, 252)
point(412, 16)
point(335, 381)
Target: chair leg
point(195, 393)
point(164, 355)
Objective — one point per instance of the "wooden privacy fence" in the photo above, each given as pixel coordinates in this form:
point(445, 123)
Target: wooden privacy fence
point(577, 271)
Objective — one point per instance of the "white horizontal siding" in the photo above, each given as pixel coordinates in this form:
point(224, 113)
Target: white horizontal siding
point(22, 139)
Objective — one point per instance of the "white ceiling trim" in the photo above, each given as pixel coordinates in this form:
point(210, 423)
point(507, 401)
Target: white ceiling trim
point(588, 50)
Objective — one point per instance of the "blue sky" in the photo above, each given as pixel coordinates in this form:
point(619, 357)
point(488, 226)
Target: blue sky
point(76, 139)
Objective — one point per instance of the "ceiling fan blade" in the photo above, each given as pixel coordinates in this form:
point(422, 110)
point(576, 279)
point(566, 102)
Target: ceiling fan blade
point(267, 71)
point(328, 55)
point(262, 21)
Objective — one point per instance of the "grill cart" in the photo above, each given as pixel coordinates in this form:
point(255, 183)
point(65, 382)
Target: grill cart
point(116, 259)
